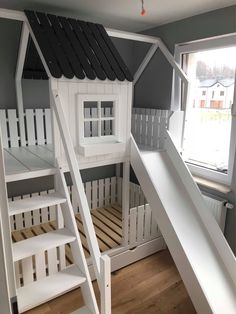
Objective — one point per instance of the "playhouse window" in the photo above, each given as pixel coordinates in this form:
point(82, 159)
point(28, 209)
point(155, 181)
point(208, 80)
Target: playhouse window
point(208, 144)
point(99, 118)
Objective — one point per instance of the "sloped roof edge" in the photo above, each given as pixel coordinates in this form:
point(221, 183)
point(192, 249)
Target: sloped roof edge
point(73, 48)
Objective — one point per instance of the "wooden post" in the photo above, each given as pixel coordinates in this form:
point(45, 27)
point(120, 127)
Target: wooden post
point(125, 203)
point(105, 284)
point(19, 71)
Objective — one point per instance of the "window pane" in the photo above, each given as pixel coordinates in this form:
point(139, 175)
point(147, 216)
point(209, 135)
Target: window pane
point(107, 127)
point(107, 109)
point(90, 109)
point(90, 128)
point(208, 115)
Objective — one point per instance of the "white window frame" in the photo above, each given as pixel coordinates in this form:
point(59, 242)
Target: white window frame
point(195, 46)
point(98, 98)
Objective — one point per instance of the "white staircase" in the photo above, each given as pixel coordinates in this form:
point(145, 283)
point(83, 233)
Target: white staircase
point(77, 275)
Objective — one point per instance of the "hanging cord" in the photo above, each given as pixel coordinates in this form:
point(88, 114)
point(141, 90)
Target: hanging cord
point(143, 11)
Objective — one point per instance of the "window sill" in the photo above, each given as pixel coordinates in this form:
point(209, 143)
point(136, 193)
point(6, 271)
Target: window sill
point(219, 187)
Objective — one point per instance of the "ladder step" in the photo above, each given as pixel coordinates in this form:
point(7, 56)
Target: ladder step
point(35, 202)
point(41, 243)
point(49, 287)
point(82, 310)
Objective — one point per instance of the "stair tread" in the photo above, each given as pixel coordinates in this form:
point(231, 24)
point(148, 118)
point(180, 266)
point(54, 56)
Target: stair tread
point(35, 202)
point(49, 287)
point(82, 310)
point(41, 243)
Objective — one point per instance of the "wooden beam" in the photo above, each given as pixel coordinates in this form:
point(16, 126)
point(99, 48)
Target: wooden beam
point(12, 15)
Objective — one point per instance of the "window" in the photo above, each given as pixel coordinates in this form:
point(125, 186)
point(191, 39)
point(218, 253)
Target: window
point(208, 144)
point(98, 118)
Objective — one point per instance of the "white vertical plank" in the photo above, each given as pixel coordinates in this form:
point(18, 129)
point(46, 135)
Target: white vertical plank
point(101, 193)
point(88, 192)
point(154, 227)
point(94, 194)
point(48, 125)
point(119, 190)
point(147, 224)
point(155, 132)
point(138, 129)
point(30, 129)
point(19, 217)
point(52, 261)
point(44, 211)
point(3, 124)
point(107, 191)
point(133, 226)
point(40, 126)
point(149, 130)
point(94, 114)
point(27, 215)
point(52, 209)
point(73, 199)
point(27, 270)
point(40, 266)
point(36, 213)
point(140, 223)
point(131, 200)
point(13, 130)
point(113, 190)
point(144, 129)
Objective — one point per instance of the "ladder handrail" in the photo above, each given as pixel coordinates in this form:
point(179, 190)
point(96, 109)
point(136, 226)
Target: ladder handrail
point(6, 255)
point(101, 262)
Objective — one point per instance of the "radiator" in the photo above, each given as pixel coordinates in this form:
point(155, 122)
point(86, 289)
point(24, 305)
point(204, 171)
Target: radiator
point(218, 208)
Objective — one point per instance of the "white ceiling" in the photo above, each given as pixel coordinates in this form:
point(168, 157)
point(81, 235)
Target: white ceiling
point(122, 14)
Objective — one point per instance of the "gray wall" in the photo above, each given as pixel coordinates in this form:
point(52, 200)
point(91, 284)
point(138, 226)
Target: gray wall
point(10, 35)
point(154, 88)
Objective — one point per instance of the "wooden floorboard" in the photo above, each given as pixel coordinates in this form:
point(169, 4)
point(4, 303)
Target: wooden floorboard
point(152, 285)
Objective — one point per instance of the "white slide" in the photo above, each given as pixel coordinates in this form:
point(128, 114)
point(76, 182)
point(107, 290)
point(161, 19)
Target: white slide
point(198, 247)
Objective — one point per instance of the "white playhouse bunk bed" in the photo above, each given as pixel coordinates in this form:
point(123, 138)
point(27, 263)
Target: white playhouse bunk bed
point(46, 238)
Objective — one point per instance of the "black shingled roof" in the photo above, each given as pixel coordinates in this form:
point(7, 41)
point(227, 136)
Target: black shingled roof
point(74, 49)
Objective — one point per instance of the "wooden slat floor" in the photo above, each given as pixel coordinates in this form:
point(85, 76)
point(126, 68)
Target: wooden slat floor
point(107, 223)
point(152, 285)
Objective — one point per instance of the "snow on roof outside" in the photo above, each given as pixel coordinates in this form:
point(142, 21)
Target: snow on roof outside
point(74, 48)
point(211, 82)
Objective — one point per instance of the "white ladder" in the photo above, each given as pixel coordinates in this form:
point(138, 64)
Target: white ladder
point(60, 280)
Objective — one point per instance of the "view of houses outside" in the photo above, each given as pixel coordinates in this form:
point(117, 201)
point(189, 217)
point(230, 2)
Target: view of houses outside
point(208, 115)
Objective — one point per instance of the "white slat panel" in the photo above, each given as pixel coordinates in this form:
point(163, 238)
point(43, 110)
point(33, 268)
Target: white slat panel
point(52, 209)
point(113, 190)
point(149, 130)
point(27, 216)
point(132, 204)
point(88, 192)
point(40, 266)
point(18, 218)
point(52, 261)
point(119, 190)
point(133, 226)
point(147, 225)
point(62, 257)
point(140, 224)
point(48, 126)
point(107, 191)
point(29, 113)
point(40, 126)
point(3, 124)
point(155, 132)
point(44, 210)
point(94, 194)
point(36, 213)
point(101, 193)
point(27, 270)
point(73, 199)
point(138, 129)
point(13, 130)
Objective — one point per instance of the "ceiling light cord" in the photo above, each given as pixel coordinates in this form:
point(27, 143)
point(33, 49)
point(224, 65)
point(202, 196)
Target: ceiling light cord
point(143, 11)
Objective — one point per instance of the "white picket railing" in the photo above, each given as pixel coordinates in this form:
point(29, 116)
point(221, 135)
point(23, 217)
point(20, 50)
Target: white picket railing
point(38, 127)
point(147, 126)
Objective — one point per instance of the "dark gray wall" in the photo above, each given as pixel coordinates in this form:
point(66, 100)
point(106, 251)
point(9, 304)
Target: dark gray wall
point(10, 35)
point(154, 88)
